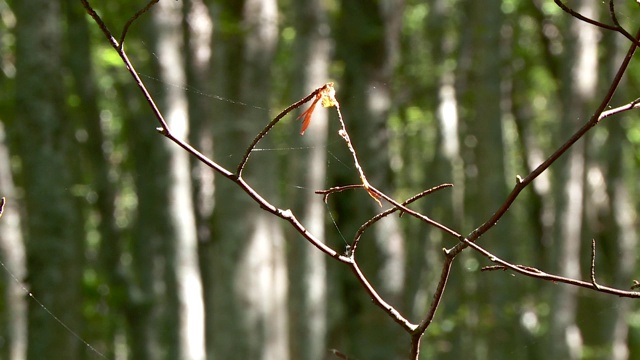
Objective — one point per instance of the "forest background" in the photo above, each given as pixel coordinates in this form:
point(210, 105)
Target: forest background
point(116, 243)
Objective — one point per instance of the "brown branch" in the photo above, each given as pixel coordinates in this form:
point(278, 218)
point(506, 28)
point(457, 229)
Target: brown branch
point(125, 29)
point(337, 189)
point(2, 202)
point(379, 301)
point(617, 28)
point(437, 297)
point(539, 274)
point(387, 212)
point(269, 126)
point(413, 213)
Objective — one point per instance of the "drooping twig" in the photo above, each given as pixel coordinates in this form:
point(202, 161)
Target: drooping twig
point(345, 135)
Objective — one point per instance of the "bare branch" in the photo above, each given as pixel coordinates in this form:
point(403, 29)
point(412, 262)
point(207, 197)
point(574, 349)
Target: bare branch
point(269, 126)
point(414, 213)
point(381, 215)
point(617, 28)
point(133, 18)
point(2, 202)
point(379, 301)
point(337, 189)
point(539, 274)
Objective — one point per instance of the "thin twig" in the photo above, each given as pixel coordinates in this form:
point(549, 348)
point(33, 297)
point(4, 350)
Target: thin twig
point(616, 28)
point(340, 355)
point(389, 211)
point(593, 265)
point(337, 189)
point(125, 29)
point(437, 296)
point(270, 125)
point(535, 273)
point(2, 202)
point(413, 213)
point(345, 135)
point(379, 301)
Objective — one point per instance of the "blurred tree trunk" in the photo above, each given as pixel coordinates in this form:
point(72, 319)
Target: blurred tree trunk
point(198, 29)
point(612, 217)
point(12, 255)
point(307, 267)
point(54, 228)
point(578, 89)
point(368, 43)
point(249, 267)
point(96, 171)
point(149, 230)
point(480, 82)
point(185, 308)
point(152, 333)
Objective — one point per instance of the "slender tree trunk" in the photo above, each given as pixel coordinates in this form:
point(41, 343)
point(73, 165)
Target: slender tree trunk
point(12, 255)
point(480, 83)
point(307, 268)
point(53, 226)
point(250, 289)
point(565, 336)
point(96, 172)
point(198, 29)
point(368, 45)
point(184, 285)
point(149, 229)
point(621, 240)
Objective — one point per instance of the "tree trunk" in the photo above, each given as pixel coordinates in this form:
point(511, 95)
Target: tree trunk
point(307, 266)
point(581, 80)
point(198, 29)
point(12, 255)
point(368, 45)
point(184, 285)
point(96, 173)
point(249, 269)
point(53, 226)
